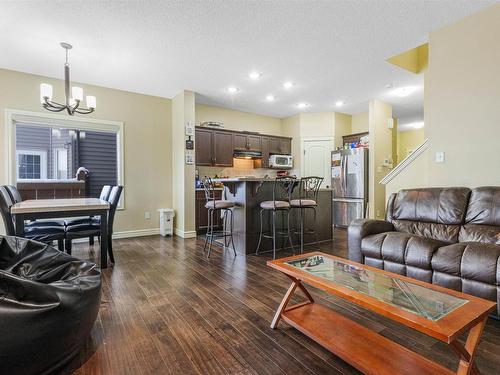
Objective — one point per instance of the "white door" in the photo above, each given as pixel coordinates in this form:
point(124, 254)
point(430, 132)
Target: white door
point(316, 159)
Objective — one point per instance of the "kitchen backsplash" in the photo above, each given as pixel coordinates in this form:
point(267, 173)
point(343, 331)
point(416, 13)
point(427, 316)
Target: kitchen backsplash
point(241, 167)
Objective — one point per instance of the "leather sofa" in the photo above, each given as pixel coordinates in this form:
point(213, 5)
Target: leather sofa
point(446, 236)
point(48, 305)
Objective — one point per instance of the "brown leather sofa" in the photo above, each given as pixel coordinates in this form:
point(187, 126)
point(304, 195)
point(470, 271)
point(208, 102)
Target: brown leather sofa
point(444, 236)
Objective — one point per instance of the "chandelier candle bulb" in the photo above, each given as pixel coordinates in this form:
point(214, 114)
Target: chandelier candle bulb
point(91, 102)
point(77, 93)
point(45, 92)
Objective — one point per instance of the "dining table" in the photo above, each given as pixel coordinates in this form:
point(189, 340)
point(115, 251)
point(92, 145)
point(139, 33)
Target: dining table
point(34, 209)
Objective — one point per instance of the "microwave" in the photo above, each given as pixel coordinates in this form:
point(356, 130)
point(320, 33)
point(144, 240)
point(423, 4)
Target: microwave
point(281, 161)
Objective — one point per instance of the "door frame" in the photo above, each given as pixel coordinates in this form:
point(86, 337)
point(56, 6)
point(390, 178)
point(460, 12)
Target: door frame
point(303, 140)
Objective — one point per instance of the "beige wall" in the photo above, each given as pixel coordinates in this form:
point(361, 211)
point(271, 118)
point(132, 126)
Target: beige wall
point(317, 124)
point(183, 112)
point(414, 176)
point(237, 120)
point(359, 123)
point(147, 140)
point(291, 128)
point(343, 126)
point(462, 101)
point(380, 149)
point(408, 141)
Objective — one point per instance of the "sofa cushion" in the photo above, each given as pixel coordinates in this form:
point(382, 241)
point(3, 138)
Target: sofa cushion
point(482, 222)
point(480, 262)
point(402, 253)
point(435, 213)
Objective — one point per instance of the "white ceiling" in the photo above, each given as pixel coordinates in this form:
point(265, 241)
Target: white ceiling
point(331, 50)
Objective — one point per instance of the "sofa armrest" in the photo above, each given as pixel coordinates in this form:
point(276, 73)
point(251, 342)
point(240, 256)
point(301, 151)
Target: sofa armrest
point(361, 228)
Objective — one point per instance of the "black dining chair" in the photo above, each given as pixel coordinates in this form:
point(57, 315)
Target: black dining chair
point(45, 234)
point(16, 197)
point(92, 228)
point(106, 189)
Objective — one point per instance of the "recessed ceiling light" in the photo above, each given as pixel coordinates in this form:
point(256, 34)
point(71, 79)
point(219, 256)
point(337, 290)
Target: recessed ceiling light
point(288, 85)
point(270, 98)
point(339, 103)
point(417, 125)
point(254, 75)
point(232, 90)
point(404, 91)
point(302, 105)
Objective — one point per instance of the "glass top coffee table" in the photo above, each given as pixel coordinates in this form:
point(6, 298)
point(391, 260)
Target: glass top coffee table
point(436, 311)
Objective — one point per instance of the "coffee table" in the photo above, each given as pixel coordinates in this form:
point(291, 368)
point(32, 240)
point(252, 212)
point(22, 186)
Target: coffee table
point(433, 310)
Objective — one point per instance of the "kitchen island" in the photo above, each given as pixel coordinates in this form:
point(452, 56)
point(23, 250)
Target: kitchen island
point(248, 192)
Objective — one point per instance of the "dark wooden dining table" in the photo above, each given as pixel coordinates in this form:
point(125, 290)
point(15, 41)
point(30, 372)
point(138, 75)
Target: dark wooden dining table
point(33, 209)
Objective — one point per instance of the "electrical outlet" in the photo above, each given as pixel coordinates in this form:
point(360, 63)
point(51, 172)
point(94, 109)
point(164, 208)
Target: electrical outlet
point(147, 215)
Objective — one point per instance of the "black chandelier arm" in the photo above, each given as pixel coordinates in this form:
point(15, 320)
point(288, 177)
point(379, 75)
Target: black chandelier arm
point(84, 111)
point(53, 109)
point(77, 104)
point(52, 104)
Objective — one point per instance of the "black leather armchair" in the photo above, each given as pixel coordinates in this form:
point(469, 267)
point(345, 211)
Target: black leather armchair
point(48, 305)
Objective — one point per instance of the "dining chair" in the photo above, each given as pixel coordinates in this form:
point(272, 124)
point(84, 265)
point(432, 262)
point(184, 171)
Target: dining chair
point(45, 234)
point(16, 197)
point(92, 228)
point(282, 191)
point(106, 189)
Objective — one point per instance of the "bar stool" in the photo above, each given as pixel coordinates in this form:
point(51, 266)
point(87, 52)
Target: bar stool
point(308, 200)
point(226, 208)
point(282, 190)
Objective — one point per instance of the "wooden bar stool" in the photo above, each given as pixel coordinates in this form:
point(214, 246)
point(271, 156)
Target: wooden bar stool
point(215, 206)
point(308, 200)
point(282, 190)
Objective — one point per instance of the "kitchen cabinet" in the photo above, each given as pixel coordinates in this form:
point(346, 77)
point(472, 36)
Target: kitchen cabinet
point(223, 149)
point(213, 148)
point(247, 142)
point(204, 147)
point(278, 145)
point(201, 217)
point(265, 152)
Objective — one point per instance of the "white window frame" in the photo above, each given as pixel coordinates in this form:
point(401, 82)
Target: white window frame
point(14, 117)
point(43, 162)
point(55, 160)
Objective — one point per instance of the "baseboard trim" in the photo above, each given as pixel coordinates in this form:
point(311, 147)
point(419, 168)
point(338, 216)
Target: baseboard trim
point(185, 234)
point(137, 233)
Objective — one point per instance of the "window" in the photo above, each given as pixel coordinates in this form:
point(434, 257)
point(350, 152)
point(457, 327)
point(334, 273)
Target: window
point(60, 164)
point(31, 164)
point(54, 146)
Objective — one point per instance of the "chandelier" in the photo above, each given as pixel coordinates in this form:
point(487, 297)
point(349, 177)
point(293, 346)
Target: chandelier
point(72, 103)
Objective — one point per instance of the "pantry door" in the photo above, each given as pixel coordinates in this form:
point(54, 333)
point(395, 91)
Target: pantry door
point(316, 155)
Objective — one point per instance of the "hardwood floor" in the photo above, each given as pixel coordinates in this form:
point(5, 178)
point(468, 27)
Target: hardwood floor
point(166, 309)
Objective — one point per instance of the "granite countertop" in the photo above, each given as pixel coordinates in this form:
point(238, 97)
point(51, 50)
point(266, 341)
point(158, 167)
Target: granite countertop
point(242, 179)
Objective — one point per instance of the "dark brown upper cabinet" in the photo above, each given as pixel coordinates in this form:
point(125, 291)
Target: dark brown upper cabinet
point(223, 149)
point(265, 153)
point(247, 142)
point(214, 148)
point(280, 145)
point(204, 147)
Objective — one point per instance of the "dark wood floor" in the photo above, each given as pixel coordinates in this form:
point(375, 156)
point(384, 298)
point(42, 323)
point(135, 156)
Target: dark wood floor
point(166, 309)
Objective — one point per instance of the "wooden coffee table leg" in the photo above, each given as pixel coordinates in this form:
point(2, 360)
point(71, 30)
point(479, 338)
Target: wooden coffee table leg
point(467, 353)
point(286, 299)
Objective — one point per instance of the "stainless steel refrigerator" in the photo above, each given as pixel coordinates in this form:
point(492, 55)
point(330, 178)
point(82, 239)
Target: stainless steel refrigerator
point(350, 185)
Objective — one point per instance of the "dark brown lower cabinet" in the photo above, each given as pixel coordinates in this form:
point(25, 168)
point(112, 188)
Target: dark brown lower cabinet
point(201, 219)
